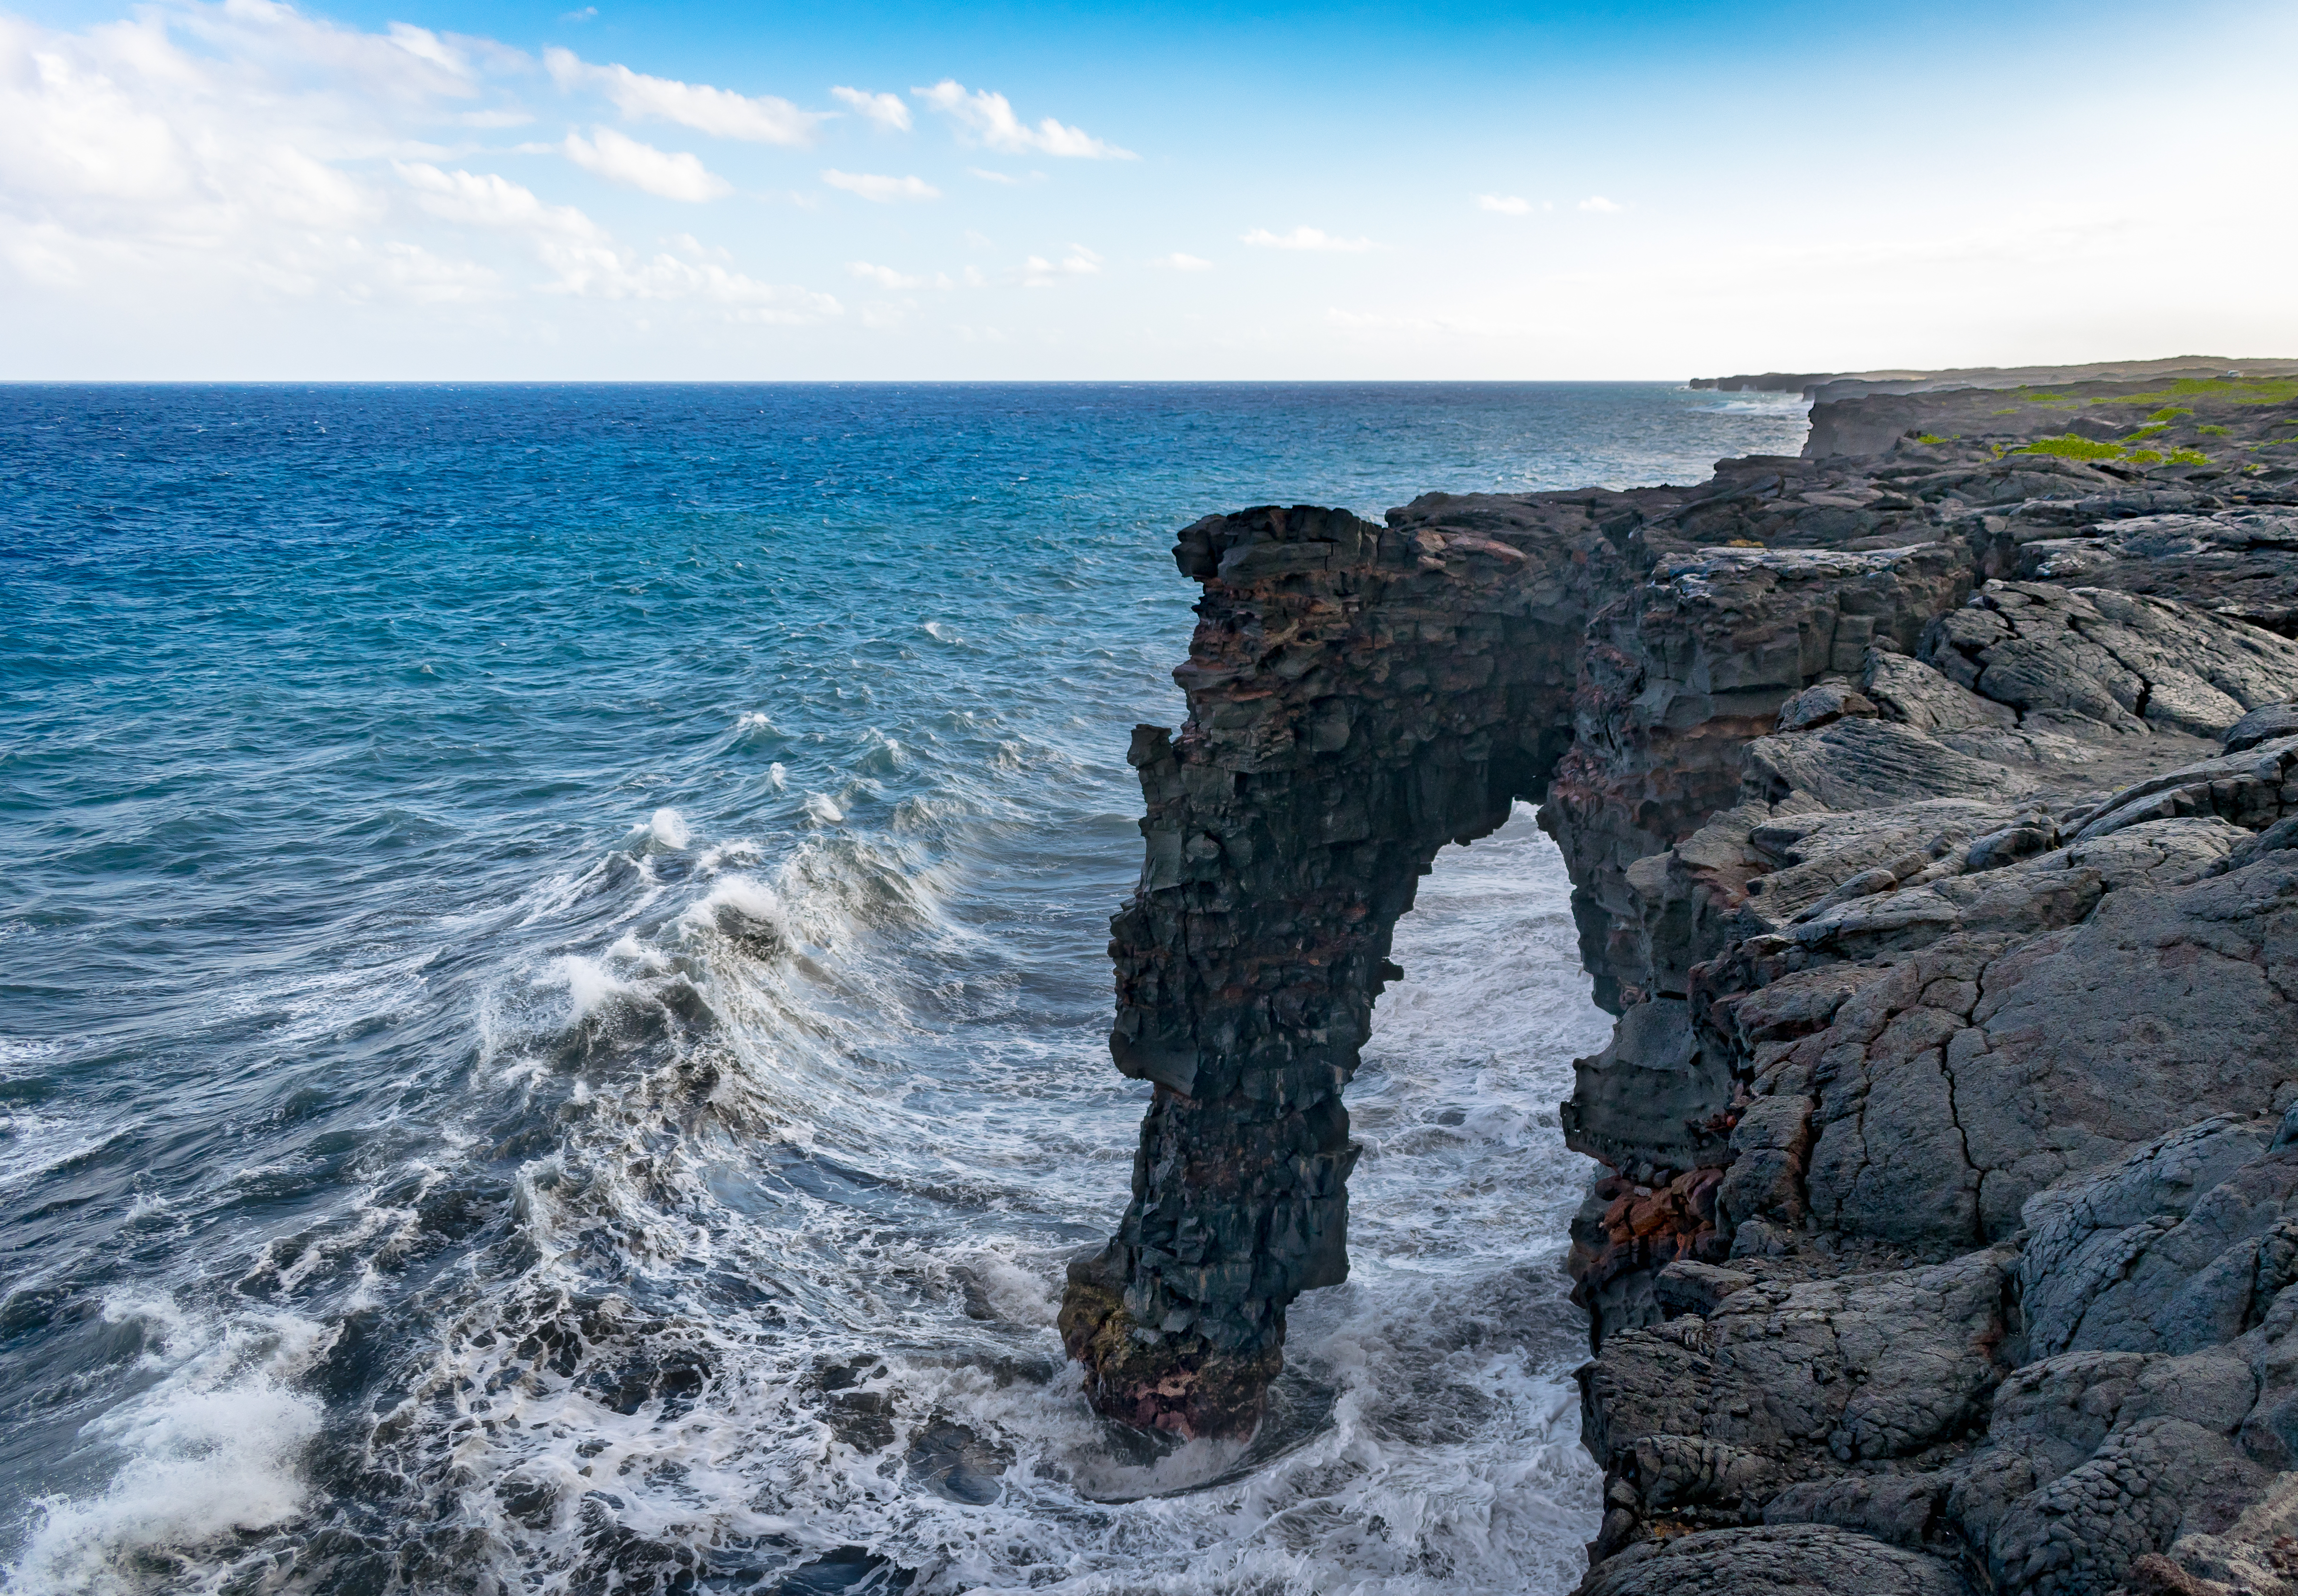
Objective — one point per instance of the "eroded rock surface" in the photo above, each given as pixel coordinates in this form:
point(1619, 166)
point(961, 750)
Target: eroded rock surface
point(1932, 819)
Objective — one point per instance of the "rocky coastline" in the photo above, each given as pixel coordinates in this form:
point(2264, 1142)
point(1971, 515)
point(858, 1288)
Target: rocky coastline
point(1931, 801)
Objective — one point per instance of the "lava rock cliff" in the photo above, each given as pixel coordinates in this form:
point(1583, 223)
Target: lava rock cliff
point(1933, 817)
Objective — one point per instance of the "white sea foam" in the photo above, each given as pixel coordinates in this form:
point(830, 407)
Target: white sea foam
point(1434, 1417)
point(740, 905)
point(670, 828)
point(590, 985)
point(1429, 1444)
point(34, 1141)
point(214, 1449)
point(821, 808)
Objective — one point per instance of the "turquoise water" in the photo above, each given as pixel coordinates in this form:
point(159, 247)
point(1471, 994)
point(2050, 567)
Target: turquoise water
point(552, 997)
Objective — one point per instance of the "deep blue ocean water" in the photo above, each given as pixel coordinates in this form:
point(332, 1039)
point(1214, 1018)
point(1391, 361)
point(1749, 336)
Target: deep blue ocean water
point(552, 996)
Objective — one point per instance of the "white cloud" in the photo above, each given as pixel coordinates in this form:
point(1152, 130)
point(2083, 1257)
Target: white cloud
point(885, 277)
point(989, 117)
point(885, 110)
point(1179, 261)
point(207, 155)
point(1506, 204)
point(584, 15)
point(1038, 272)
point(204, 161)
point(485, 199)
point(1007, 178)
point(720, 112)
point(586, 262)
point(883, 191)
point(431, 279)
point(620, 158)
point(602, 271)
point(1597, 201)
point(1306, 238)
point(424, 44)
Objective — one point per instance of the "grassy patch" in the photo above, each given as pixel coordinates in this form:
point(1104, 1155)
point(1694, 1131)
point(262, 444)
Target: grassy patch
point(2169, 412)
point(1929, 438)
point(2215, 432)
point(2241, 390)
point(2068, 447)
point(2012, 412)
point(2147, 432)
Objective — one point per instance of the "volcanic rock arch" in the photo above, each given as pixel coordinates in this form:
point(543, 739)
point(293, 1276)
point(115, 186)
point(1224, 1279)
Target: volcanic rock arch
point(1359, 696)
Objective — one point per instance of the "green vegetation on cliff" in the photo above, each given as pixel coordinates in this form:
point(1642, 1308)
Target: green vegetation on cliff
point(2067, 446)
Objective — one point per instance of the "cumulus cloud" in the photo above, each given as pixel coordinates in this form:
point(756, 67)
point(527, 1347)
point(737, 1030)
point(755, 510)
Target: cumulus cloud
point(1038, 272)
point(883, 191)
point(720, 112)
point(988, 117)
point(1179, 261)
point(487, 200)
point(211, 158)
point(602, 271)
point(887, 110)
point(1306, 238)
point(121, 134)
point(1597, 201)
point(203, 152)
point(1507, 204)
point(585, 262)
point(620, 158)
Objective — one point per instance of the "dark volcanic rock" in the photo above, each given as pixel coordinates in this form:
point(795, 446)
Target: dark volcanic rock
point(2262, 726)
point(2076, 659)
point(1359, 695)
point(1932, 820)
point(1802, 1557)
point(2238, 563)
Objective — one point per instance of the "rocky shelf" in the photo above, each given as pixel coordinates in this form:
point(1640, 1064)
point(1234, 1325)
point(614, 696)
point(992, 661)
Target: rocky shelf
point(1931, 806)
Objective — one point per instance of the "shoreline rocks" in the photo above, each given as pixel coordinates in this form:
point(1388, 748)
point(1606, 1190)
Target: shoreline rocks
point(1941, 874)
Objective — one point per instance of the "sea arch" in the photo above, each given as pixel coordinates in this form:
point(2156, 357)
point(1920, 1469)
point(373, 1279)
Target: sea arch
point(1358, 695)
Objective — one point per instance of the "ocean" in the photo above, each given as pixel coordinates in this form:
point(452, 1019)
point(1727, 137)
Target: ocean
point(553, 998)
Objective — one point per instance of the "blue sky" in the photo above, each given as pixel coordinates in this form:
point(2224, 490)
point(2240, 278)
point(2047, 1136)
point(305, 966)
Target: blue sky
point(449, 189)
